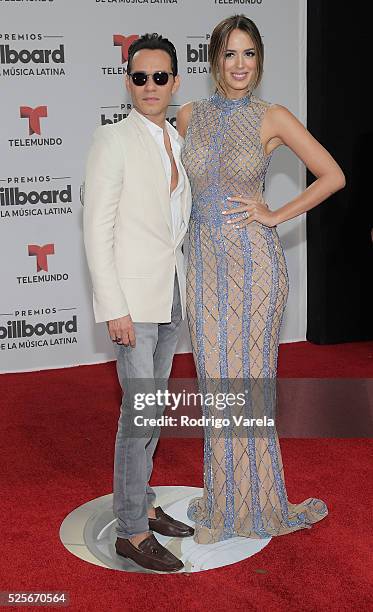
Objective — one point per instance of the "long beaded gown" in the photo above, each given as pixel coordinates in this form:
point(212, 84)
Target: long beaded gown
point(237, 287)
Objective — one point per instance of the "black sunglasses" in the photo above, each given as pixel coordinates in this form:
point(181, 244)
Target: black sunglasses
point(159, 78)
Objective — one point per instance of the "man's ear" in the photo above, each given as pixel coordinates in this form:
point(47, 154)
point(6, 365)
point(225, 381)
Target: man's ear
point(176, 84)
point(127, 81)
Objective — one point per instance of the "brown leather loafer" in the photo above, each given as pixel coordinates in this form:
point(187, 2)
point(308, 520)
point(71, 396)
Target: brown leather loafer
point(149, 554)
point(168, 526)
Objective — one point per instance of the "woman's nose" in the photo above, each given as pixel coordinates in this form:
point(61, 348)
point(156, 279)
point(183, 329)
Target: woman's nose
point(239, 60)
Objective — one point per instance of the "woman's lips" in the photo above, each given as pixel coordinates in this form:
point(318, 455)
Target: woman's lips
point(239, 76)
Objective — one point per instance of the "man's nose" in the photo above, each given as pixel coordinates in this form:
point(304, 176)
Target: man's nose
point(150, 85)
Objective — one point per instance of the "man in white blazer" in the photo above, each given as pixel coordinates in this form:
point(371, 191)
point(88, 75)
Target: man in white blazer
point(136, 212)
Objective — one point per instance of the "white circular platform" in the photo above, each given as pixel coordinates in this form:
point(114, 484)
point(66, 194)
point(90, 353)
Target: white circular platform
point(88, 532)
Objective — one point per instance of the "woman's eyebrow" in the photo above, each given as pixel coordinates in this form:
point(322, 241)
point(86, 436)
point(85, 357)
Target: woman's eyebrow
point(250, 49)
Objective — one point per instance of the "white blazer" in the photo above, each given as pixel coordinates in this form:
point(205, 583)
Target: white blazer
point(131, 252)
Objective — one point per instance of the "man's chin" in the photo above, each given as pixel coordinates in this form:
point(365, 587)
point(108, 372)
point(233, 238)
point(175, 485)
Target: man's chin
point(152, 109)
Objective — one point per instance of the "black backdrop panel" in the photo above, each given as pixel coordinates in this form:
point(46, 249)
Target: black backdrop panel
point(339, 240)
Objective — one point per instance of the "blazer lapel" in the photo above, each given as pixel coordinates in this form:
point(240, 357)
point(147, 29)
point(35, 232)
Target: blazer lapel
point(154, 165)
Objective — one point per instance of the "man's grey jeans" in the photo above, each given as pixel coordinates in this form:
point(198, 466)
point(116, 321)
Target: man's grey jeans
point(142, 369)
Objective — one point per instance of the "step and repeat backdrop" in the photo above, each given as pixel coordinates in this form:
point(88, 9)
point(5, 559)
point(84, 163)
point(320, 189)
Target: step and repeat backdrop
point(62, 71)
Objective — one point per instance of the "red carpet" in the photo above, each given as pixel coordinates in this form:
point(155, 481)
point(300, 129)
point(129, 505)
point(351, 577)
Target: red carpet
point(56, 450)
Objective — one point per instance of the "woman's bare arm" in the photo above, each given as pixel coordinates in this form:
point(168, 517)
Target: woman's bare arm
point(183, 117)
point(280, 126)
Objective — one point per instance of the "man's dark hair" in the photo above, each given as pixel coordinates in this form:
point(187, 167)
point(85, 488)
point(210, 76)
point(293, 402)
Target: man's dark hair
point(153, 41)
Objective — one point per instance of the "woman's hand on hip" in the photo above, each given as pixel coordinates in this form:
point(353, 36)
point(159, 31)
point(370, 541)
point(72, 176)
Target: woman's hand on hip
point(252, 209)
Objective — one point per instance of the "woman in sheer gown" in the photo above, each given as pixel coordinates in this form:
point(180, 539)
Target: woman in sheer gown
point(237, 283)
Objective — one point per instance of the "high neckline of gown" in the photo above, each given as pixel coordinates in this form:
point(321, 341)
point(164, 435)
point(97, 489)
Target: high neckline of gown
point(227, 103)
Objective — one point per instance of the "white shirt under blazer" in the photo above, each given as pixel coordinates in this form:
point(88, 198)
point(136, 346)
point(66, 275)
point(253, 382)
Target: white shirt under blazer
point(158, 135)
point(128, 232)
